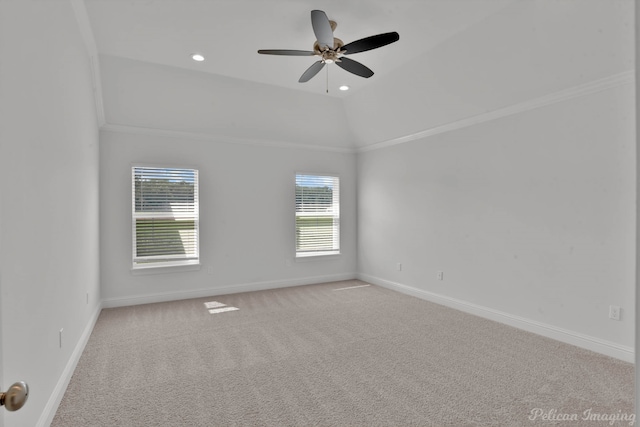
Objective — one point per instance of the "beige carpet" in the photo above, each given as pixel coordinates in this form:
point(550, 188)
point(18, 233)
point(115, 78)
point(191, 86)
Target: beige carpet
point(317, 356)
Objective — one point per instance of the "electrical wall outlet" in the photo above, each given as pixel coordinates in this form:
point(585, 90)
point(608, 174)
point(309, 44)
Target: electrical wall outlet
point(614, 312)
point(440, 275)
point(399, 266)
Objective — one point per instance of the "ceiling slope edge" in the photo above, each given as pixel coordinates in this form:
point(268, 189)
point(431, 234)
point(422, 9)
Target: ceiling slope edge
point(82, 18)
point(623, 78)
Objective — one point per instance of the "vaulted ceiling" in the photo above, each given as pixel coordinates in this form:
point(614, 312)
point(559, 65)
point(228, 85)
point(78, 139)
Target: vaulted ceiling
point(455, 60)
point(229, 33)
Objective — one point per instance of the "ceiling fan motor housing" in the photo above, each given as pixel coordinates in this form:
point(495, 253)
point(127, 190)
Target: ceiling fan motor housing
point(330, 54)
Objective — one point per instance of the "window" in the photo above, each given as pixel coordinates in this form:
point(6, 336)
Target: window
point(317, 215)
point(164, 216)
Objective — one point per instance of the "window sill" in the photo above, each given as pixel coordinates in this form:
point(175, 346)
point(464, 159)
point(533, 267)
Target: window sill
point(317, 256)
point(165, 268)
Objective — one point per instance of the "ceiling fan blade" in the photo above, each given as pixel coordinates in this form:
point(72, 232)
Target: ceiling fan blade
point(311, 71)
point(287, 52)
point(322, 28)
point(371, 42)
point(354, 67)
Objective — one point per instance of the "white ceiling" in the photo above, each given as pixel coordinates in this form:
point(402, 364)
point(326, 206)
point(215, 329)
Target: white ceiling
point(229, 33)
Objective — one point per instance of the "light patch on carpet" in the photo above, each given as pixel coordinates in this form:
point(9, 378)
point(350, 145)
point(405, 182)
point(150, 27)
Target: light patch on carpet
point(351, 287)
point(223, 310)
point(214, 304)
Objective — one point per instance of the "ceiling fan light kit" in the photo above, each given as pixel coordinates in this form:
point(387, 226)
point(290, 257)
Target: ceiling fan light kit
point(332, 50)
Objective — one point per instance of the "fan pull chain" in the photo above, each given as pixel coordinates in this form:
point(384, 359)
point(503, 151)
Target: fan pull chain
point(327, 79)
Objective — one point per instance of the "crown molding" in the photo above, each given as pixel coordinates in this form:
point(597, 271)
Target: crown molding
point(194, 136)
point(610, 82)
point(626, 77)
point(84, 25)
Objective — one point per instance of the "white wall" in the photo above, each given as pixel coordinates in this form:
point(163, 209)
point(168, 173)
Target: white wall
point(516, 177)
point(239, 250)
point(49, 227)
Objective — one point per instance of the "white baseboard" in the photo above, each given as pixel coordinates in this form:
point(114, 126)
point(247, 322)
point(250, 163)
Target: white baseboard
point(51, 407)
point(597, 345)
point(223, 290)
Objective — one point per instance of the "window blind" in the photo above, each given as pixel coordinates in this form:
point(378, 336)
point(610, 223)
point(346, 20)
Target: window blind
point(165, 216)
point(317, 215)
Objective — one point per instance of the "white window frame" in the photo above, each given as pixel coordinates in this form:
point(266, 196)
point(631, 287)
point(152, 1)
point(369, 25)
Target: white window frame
point(333, 213)
point(187, 212)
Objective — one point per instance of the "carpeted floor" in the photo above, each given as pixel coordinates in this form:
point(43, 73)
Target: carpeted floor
point(318, 356)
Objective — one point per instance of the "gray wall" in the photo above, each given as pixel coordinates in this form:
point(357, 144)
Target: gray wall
point(49, 258)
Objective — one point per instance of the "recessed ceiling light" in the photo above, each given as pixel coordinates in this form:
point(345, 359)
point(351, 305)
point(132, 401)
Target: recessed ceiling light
point(197, 57)
point(344, 87)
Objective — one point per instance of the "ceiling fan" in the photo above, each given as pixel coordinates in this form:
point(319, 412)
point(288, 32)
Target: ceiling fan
point(331, 49)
